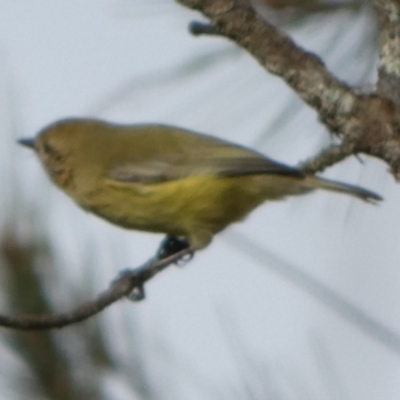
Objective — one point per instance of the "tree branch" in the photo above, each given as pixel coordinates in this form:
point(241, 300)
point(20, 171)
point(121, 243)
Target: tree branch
point(388, 12)
point(131, 281)
point(370, 122)
point(327, 157)
point(302, 70)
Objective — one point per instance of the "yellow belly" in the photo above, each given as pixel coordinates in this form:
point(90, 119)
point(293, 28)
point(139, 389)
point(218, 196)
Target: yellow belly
point(195, 207)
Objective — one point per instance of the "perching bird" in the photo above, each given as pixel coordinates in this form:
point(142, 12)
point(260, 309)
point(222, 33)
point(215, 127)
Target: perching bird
point(165, 179)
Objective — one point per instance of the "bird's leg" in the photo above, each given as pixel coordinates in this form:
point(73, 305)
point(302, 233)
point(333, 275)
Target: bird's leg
point(173, 250)
point(171, 245)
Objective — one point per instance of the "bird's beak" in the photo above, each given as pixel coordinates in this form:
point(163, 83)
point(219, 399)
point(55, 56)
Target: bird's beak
point(27, 142)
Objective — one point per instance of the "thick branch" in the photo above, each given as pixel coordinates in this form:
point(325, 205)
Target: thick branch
point(276, 52)
point(123, 286)
point(371, 123)
point(388, 12)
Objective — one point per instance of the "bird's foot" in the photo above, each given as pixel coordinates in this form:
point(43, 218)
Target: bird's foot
point(172, 250)
point(172, 245)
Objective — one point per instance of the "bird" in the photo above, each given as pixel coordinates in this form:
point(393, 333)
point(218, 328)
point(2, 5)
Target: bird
point(164, 179)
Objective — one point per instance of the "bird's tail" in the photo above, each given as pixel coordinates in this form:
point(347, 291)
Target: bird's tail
point(321, 183)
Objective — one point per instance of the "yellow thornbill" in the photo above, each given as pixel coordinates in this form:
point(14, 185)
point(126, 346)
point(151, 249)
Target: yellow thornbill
point(165, 179)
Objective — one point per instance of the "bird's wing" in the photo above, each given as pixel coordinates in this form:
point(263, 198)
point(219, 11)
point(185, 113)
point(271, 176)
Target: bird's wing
point(168, 167)
point(177, 153)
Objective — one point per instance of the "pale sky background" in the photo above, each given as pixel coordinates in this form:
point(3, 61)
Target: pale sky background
point(226, 319)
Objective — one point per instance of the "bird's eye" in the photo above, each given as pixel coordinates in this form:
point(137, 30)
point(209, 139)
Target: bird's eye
point(51, 152)
point(47, 148)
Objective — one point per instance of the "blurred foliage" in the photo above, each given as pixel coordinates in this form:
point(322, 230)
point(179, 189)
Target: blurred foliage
point(47, 354)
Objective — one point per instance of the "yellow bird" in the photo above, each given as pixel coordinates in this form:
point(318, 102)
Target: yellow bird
point(165, 179)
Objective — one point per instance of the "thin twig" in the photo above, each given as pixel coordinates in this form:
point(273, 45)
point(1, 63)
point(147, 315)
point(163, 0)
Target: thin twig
point(121, 287)
point(327, 157)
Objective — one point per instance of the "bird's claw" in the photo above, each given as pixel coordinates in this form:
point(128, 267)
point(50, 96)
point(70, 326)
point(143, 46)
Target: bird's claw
point(181, 262)
point(171, 245)
point(137, 293)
